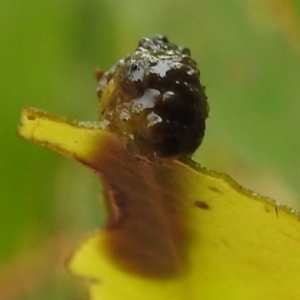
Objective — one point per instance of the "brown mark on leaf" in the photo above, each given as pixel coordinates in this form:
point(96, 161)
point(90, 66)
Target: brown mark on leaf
point(214, 189)
point(146, 230)
point(267, 209)
point(202, 204)
point(31, 117)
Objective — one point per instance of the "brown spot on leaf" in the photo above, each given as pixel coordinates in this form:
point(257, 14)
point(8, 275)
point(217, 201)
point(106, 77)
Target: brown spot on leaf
point(31, 117)
point(214, 189)
point(202, 204)
point(268, 208)
point(147, 226)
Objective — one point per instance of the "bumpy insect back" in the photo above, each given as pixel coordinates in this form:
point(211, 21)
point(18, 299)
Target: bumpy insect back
point(154, 100)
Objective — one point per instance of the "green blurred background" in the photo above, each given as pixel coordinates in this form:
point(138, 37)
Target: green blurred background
point(249, 56)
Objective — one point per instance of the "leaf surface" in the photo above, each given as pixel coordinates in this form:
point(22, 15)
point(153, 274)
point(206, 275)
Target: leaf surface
point(174, 229)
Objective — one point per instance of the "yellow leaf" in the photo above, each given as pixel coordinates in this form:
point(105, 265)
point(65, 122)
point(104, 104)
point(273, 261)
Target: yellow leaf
point(175, 230)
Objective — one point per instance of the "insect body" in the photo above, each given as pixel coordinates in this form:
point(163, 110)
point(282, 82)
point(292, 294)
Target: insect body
point(153, 99)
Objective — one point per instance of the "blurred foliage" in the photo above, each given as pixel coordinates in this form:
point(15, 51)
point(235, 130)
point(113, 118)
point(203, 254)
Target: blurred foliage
point(249, 56)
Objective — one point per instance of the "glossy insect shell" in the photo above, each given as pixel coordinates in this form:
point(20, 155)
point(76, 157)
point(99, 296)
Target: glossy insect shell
point(153, 99)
